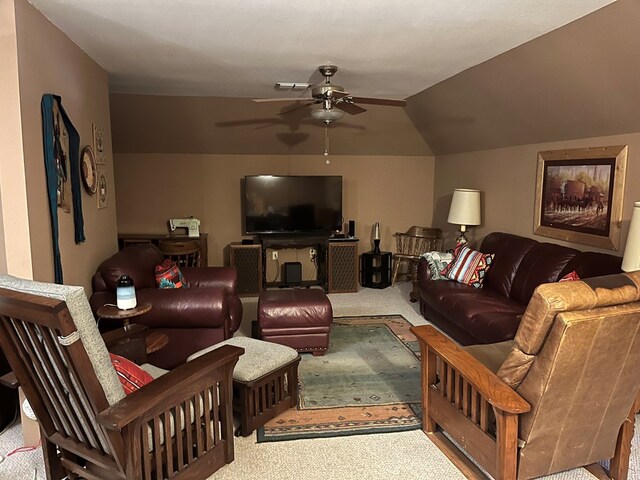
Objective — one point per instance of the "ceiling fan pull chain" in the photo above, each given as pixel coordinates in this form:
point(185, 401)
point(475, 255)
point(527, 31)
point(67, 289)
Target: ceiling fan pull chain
point(326, 143)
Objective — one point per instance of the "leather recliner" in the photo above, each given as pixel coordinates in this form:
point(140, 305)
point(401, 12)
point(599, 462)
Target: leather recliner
point(204, 313)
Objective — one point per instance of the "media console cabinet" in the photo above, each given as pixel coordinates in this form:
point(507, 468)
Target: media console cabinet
point(337, 262)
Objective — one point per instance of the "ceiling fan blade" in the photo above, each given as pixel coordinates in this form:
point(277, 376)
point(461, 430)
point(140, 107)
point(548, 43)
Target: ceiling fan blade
point(297, 107)
point(290, 100)
point(379, 101)
point(350, 108)
point(339, 94)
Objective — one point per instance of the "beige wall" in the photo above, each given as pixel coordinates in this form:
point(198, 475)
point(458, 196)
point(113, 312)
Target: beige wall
point(169, 124)
point(48, 62)
point(151, 188)
point(15, 254)
point(507, 179)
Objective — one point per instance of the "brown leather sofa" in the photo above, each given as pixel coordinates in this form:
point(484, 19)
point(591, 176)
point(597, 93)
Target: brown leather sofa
point(492, 314)
point(193, 318)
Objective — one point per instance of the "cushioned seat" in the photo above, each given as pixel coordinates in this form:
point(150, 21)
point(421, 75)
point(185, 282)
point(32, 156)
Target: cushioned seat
point(265, 381)
point(562, 394)
point(299, 318)
point(492, 313)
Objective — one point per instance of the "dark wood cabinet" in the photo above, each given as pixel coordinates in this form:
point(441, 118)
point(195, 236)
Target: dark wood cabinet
point(375, 270)
point(337, 263)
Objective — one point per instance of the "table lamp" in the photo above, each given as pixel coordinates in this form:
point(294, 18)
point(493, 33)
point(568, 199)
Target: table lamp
point(631, 258)
point(464, 210)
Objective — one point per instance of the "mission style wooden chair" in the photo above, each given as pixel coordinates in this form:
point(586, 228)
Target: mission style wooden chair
point(178, 426)
point(559, 396)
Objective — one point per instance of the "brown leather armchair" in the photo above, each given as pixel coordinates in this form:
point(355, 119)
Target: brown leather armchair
point(559, 396)
point(206, 312)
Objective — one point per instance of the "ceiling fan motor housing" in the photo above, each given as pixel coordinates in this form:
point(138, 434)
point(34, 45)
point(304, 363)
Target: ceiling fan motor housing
point(323, 91)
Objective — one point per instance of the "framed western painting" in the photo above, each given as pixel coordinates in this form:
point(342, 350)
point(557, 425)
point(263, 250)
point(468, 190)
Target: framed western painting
point(579, 195)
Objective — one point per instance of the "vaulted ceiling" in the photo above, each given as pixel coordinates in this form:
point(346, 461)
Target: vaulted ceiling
point(477, 74)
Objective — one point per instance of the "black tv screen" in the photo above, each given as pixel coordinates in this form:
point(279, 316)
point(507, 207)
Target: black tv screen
point(292, 204)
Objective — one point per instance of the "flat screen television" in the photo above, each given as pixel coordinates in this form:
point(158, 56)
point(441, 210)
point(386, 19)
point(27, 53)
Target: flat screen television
point(292, 204)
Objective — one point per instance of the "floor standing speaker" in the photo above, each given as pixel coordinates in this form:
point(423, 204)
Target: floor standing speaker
point(247, 259)
point(343, 266)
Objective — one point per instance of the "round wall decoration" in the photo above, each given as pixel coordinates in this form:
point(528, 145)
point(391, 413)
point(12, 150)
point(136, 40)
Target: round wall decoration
point(88, 170)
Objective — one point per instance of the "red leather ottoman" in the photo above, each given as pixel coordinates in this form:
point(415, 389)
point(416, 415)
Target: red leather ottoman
point(298, 318)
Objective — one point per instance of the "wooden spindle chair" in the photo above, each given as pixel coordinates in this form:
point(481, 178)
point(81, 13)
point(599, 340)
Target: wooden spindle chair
point(410, 245)
point(185, 254)
point(178, 426)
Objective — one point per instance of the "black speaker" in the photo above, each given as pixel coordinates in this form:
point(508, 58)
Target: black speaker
point(352, 228)
point(247, 259)
point(293, 273)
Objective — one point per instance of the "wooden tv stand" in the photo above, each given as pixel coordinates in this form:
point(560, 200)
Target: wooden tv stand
point(337, 260)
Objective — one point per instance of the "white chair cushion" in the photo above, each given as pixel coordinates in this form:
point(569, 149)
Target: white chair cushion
point(260, 358)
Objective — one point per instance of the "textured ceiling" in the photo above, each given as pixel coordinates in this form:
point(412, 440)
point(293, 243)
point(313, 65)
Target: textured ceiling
point(234, 48)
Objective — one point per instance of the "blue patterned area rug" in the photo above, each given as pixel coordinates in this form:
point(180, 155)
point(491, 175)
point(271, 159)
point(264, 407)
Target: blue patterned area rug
point(367, 382)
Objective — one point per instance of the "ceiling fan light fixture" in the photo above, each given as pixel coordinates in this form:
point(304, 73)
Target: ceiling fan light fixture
point(327, 114)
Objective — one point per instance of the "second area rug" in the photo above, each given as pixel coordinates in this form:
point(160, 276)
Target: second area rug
point(368, 382)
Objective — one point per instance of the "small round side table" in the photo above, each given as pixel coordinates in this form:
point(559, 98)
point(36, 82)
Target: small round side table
point(113, 312)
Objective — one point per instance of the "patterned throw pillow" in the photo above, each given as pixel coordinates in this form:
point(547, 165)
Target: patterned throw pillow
point(468, 266)
point(168, 275)
point(131, 376)
point(570, 277)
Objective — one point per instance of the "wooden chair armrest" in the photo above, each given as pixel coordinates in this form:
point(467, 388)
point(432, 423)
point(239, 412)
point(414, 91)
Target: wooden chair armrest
point(168, 390)
point(488, 384)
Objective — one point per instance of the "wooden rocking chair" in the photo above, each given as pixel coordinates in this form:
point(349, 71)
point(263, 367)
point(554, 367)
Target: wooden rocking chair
point(178, 426)
point(562, 395)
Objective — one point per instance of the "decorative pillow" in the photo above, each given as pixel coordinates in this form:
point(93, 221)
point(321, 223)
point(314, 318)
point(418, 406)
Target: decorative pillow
point(437, 262)
point(570, 277)
point(468, 266)
point(131, 376)
point(168, 275)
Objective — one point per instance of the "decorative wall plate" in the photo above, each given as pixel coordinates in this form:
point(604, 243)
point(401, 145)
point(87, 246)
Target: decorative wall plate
point(88, 170)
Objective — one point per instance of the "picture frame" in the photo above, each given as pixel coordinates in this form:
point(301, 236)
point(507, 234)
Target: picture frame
point(98, 145)
point(579, 194)
point(102, 189)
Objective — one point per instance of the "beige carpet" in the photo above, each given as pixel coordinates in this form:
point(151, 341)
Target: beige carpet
point(406, 455)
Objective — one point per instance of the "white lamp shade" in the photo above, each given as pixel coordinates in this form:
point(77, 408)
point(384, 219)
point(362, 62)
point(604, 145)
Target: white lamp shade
point(631, 259)
point(465, 207)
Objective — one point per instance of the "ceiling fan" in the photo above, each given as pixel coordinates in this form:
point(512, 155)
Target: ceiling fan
point(333, 98)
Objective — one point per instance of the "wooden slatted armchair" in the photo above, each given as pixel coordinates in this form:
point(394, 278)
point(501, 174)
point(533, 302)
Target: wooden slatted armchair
point(178, 426)
point(410, 245)
point(559, 396)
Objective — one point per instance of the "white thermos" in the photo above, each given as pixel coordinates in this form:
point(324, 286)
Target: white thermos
point(126, 293)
